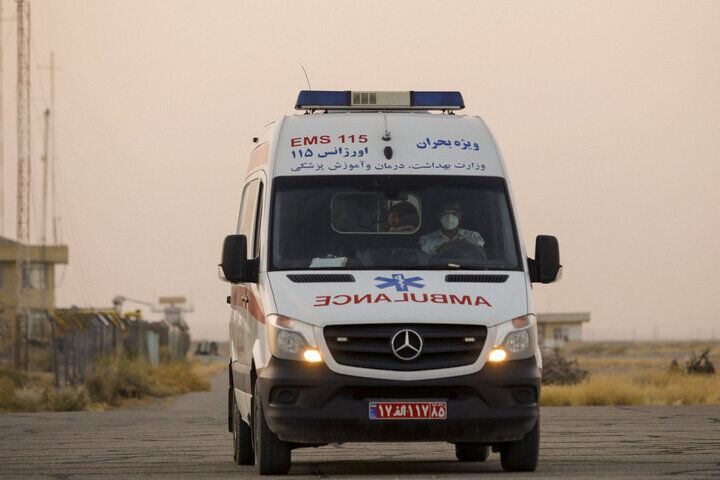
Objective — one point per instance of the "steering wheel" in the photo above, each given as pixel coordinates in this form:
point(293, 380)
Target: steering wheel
point(460, 249)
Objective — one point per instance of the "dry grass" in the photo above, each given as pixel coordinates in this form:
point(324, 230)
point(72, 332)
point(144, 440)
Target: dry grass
point(622, 365)
point(32, 397)
point(602, 390)
point(636, 373)
point(117, 380)
point(114, 383)
point(13, 392)
point(597, 348)
point(27, 399)
point(67, 399)
point(636, 349)
point(642, 379)
point(180, 377)
point(209, 369)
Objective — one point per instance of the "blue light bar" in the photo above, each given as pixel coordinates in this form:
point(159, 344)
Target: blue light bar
point(434, 99)
point(355, 100)
point(318, 98)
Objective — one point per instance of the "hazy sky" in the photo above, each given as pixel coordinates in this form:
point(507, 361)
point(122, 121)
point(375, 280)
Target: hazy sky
point(607, 113)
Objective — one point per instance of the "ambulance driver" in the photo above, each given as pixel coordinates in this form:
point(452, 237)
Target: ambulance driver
point(449, 234)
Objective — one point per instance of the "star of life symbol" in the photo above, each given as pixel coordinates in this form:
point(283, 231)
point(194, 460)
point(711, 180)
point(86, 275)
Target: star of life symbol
point(399, 281)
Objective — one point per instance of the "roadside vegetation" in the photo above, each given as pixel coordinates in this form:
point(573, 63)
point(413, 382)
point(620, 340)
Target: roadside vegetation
point(635, 373)
point(640, 349)
point(115, 382)
point(601, 373)
point(640, 388)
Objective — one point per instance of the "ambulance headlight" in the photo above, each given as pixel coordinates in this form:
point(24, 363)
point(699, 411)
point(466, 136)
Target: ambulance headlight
point(290, 339)
point(289, 342)
point(517, 342)
point(518, 337)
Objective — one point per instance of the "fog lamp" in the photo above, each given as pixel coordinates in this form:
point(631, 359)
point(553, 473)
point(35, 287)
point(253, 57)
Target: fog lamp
point(311, 355)
point(497, 355)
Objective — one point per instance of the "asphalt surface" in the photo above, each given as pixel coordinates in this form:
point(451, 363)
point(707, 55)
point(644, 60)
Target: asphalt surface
point(188, 439)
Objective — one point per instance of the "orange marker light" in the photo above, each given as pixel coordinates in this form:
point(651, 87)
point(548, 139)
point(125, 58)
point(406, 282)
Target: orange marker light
point(283, 321)
point(312, 356)
point(521, 322)
point(497, 355)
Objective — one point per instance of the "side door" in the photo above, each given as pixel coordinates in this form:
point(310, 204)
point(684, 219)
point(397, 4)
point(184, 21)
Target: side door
point(245, 300)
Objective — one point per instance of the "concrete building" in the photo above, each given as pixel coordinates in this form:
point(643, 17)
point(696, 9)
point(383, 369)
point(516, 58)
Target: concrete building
point(555, 329)
point(38, 289)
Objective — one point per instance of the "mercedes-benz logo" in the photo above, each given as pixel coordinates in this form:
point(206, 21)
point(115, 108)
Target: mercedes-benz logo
point(406, 345)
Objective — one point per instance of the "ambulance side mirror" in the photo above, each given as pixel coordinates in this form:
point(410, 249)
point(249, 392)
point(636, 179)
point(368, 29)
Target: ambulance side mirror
point(234, 264)
point(546, 265)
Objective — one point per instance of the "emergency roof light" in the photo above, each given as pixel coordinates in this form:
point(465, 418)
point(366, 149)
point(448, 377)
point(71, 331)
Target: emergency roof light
point(354, 100)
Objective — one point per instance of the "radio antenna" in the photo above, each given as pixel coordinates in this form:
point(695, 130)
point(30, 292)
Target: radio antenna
point(306, 76)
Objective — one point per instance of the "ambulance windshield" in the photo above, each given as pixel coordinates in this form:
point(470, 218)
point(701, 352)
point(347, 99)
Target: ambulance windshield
point(392, 221)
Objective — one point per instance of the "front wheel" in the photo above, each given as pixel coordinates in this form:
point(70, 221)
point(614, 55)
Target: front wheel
point(242, 438)
point(522, 455)
point(272, 455)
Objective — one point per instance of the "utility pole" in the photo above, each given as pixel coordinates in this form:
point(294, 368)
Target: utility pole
point(2, 136)
point(23, 178)
point(6, 326)
point(43, 238)
point(50, 157)
point(46, 135)
point(53, 152)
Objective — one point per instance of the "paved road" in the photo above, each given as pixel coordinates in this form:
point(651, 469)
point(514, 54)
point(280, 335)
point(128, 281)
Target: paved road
point(188, 438)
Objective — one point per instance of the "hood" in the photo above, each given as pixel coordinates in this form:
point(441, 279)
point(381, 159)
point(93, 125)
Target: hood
point(399, 296)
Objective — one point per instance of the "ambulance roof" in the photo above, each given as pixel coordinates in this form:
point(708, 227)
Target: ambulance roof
point(373, 143)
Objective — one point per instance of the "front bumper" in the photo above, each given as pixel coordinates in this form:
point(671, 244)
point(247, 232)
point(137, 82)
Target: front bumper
point(308, 403)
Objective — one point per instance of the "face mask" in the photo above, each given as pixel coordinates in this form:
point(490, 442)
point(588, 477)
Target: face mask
point(449, 221)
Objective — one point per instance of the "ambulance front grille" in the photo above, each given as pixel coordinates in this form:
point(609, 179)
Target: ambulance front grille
point(369, 345)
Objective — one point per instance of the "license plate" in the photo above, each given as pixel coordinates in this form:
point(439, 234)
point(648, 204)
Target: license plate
point(408, 410)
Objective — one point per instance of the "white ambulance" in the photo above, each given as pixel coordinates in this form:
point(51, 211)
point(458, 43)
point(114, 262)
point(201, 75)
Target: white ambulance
point(380, 287)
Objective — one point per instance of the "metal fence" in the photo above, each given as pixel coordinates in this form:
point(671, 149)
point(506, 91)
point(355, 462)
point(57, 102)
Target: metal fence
point(80, 337)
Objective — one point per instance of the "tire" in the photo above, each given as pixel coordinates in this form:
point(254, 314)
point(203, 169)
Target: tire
point(272, 455)
point(231, 399)
point(242, 439)
point(471, 452)
point(522, 455)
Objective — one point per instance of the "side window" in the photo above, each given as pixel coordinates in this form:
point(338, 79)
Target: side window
point(248, 209)
point(258, 219)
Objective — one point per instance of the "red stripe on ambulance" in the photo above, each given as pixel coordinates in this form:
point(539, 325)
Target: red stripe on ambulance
point(253, 305)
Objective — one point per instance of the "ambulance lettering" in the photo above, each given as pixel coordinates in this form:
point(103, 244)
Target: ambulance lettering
point(325, 139)
point(401, 284)
point(370, 298)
